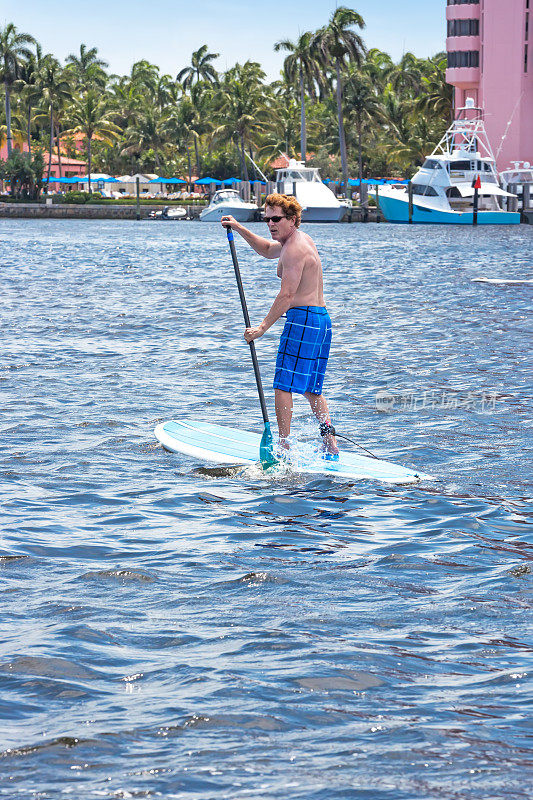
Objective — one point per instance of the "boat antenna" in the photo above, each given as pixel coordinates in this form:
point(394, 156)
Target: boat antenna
point(509, 124)
point(255, 165)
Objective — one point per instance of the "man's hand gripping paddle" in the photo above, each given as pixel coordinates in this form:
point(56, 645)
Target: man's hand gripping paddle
point(266, 448)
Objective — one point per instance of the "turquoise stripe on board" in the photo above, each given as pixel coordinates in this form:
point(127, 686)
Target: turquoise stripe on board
point(214, 442)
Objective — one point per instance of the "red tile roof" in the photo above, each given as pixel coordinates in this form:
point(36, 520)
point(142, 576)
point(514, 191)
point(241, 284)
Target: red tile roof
point(65, 161)
point(283, 160)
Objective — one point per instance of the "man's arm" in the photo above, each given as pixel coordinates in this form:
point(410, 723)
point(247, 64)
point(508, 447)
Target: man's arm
point(293, 266)
point(262, 246)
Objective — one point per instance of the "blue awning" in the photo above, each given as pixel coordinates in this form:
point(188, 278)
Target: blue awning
point(59, 180)
point(366, 182)
point(229, 181)
point(207, 182)
point(167, 180)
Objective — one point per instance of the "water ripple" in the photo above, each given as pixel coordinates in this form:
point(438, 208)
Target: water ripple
point(175, 630)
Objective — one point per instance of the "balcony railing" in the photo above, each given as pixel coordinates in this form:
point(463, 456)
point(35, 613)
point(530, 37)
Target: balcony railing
point(463, 2)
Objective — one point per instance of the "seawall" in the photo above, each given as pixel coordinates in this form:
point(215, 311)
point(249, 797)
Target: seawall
point(87, 211)
point(94, 211)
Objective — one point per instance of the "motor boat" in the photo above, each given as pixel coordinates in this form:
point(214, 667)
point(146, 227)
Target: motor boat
point(169, 212)
point(228, 201)
point(443, 188)
point(318, 202)
point(519, 174)
point(174, 212)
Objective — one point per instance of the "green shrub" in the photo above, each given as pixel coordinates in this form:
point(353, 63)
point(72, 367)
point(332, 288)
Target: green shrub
point(75, 197)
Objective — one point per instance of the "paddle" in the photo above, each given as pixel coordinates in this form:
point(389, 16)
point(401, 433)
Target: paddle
point(266, 447)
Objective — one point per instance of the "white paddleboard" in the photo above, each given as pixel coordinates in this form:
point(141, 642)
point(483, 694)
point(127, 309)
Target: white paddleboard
point(222, 445)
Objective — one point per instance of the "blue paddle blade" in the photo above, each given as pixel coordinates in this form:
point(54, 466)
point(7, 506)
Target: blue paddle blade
point(266, 449)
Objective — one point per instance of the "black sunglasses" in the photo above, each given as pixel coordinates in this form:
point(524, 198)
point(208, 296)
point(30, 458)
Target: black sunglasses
point(276, 218)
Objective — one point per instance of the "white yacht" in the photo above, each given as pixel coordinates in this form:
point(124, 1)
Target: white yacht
point(518, 174)
point(228, 201)
point(317, 200)
point(443, 187)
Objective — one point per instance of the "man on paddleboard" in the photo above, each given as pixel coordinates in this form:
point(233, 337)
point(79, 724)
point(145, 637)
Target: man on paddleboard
point(306, 338)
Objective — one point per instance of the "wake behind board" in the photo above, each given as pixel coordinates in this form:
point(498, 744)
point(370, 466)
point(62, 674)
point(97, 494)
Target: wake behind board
point(223, 445)
point(503, 281)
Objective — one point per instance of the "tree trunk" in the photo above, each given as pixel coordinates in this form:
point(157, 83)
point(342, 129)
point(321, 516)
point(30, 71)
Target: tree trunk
point(189, 165)
point(197, 155)
point(8, 120)
point(29, 129)
point(342, 138)
point(89, 163)
point(359, 142)
point(303, 132)
point(50, 148)
point(243, 160)
point(58, 150)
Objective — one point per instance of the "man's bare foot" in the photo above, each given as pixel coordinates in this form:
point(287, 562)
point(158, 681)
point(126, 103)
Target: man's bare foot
point(329, 442)
point(283, 449)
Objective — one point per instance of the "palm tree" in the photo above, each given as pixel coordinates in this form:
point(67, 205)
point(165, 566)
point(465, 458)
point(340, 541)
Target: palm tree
point(199, 69)
point(14, 51)
point(396, 113)
point(54, 91)
point(87, 68)
point(378, 66)
point(30, 74)
point(436, 97)
point(147, 132)
point(406, 76)
point(363, 105)
point(126, 99)
point(337, 43)
point(301, 68)
point(91, 117)
point(420, 140)
point(180, 125)
point(242, 104)
point(146, 75)
point(284, 122)
point(166, 92)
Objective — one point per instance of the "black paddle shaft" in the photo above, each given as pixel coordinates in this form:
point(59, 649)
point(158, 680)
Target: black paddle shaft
point(247, 322)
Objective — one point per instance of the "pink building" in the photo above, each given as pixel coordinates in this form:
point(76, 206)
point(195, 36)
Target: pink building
point(490, 59)
point(70, 167)
point(23, 147)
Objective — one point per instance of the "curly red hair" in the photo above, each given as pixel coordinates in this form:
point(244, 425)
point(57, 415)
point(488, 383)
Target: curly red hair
point(289, 205)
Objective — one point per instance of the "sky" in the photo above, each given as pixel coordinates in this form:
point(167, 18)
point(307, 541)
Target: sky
point(166, 32)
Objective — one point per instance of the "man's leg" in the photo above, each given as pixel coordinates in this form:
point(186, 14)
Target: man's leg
point(320, 409)
point(283, 401)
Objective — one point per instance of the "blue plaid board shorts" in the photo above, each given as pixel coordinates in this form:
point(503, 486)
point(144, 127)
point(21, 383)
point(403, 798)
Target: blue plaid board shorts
point(303, 350)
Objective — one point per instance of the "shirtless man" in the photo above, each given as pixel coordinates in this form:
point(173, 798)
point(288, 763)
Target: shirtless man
point(306, 338)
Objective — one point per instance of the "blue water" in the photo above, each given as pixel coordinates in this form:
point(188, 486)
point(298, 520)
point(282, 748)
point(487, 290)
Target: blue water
point(173, 630)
